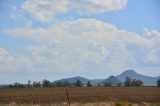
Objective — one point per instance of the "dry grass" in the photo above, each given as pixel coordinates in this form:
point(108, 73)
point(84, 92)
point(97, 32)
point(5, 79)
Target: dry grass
point(88, 104)
point(85, 96)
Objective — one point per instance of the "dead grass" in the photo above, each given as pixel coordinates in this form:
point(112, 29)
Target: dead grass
point(78, 96)
point(122, 103)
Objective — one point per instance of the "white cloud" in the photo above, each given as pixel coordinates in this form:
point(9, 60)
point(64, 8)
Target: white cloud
point(83, 44)
point(83, 31)
point(153, 56)
point(97, 6)
point(4, 56)
point(153, 34)
point(44, 10)
point(6, 61)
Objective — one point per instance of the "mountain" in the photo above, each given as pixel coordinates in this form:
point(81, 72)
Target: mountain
point(73, 80)
point(147, 80)
point(96, 81)
point(112, 79)
point(82, 79)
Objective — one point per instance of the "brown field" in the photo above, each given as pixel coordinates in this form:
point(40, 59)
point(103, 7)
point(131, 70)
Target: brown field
point(80, 95)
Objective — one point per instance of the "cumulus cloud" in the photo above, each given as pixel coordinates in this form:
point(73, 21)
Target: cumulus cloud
point(44, 10)
point(83, 44)
point(97, 6)
point(81, 30)
point(153, 56)
point(6, 61)
point(153, 34)
point(4, 56)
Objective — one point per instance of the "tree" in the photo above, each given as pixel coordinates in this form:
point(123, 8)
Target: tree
point(127, 81)
point(89, 84)
point(36, 84)
point(99, 85)
point(18, 85)
point(78, 83)
point(119, 84)
point(107, 84)
point(139, 82)
point(46, 83)
point(62, 84)
point(135, 82)
point(158, 83)
point(29, 84)
point(66, 84)
point(10, 86)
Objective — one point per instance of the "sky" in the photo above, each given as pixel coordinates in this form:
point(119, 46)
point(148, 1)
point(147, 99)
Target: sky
point(54, 39)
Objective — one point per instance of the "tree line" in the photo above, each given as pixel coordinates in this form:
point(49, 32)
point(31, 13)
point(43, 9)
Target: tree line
point(34, 84)
point(46, 83)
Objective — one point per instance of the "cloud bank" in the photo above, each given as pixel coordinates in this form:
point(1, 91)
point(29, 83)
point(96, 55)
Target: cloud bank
point(87, 44)
point(44, 10)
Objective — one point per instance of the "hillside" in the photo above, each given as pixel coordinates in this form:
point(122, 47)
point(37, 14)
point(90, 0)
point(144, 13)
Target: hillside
point(147, 80)
point(114, 80)
point(73, 80)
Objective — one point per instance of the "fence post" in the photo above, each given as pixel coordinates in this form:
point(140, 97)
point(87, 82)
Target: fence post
point(67, 97)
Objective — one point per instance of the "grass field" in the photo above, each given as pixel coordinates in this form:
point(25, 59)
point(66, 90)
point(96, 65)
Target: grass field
point(80, 95)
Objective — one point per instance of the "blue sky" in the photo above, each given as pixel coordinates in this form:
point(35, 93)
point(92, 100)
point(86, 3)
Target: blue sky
point(92, 38)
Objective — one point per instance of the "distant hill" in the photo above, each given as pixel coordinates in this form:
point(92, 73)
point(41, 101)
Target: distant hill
point(147, 80)
point(112, 79)
point(96, 81)
point(73, 80)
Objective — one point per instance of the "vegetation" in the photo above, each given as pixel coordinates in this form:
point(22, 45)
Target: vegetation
point(111, 103)
point(78, 83)
point(119, 84)
point(36, 84)
point(107, 84)
point(79, 95)
point(127, 81)
point(62, 84)
point(133, 82)
point(89, 84)
point(158, 83)
point(29, 84)
point(46, 83)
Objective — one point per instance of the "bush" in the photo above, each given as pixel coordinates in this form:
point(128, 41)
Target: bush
point(78, 83)
point(158, 83)
point(89, 84)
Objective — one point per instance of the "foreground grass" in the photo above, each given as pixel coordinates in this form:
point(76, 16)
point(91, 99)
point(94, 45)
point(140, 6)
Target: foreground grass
point(83, 95)
point(88, 104)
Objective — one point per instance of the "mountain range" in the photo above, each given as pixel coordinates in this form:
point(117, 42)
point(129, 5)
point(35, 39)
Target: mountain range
point(114, 80)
